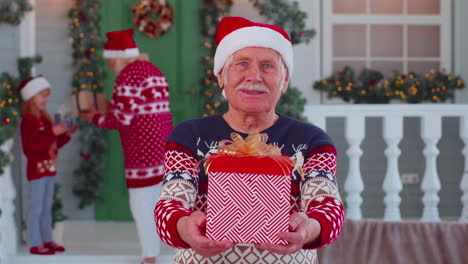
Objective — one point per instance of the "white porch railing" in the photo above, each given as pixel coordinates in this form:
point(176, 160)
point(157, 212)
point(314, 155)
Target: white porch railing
point(431, 130)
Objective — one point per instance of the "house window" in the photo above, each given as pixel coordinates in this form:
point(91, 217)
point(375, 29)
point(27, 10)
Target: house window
point(404, 35)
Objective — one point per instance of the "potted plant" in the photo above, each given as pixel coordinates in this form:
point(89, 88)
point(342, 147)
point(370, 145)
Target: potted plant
point(57, 216)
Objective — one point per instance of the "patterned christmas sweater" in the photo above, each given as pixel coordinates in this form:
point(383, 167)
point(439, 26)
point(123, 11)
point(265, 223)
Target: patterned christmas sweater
point(185, 184)
point(40, 146)
point(140, 112)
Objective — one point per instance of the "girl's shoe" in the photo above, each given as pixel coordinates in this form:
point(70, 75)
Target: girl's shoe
point(149, 260)
point(54, 246)
point(41, 251)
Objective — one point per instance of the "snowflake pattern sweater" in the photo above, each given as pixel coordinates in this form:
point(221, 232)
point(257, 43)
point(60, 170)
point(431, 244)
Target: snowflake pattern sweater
point(185, 184)
point(140, 112)
point(38, 142)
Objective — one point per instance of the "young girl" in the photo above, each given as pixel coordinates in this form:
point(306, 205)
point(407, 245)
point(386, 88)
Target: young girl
point(41, 140)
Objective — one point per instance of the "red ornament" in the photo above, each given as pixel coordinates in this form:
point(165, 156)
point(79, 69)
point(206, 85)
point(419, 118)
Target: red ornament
point(6, 120)
point(85, 156)
point(82, 16)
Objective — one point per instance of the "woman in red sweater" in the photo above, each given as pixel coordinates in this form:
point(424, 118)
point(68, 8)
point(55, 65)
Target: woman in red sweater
point(41, 140)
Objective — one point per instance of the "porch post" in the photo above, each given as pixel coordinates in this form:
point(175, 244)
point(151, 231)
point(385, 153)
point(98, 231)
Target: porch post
point(431, 133)
point(464, 181)
point(355, 129)
point(392, 186)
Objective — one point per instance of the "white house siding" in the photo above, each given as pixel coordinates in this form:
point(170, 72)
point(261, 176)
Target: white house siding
point(9, 48)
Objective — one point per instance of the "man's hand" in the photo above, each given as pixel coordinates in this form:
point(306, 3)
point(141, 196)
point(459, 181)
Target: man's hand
point(303, 230)
point(88, 116)
point(192, 231)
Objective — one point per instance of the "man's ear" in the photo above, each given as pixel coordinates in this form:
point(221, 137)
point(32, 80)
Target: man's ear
point(220, 81)
point(285, 85)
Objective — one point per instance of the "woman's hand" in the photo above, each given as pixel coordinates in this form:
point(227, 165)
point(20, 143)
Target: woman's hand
point(60, 128)
point(303, 230)
point(72, 131)
point(192, 231)
point(88, 116)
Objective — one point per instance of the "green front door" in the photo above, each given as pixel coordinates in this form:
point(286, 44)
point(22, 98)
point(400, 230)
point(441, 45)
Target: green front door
point(178, 55)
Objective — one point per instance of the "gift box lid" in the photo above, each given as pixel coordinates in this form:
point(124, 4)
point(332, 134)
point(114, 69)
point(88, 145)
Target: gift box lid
point(272, 165)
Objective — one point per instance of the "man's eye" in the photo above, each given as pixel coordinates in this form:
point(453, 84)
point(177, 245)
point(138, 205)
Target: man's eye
point(243, 63)
point(267, 65)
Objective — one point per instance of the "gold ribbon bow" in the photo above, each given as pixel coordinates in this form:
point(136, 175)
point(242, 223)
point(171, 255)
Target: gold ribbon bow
point(253, 145)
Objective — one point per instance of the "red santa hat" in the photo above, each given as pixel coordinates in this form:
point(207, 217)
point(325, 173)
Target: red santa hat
point(29, 88)
point(120, 44)
point(235, 33)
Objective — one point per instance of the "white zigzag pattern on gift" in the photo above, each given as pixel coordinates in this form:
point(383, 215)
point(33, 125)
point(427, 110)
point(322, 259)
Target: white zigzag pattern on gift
point(265, 199)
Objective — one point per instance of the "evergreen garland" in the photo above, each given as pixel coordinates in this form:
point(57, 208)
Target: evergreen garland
point(57, 206)
point(86, 41)
point(288, 16)
point(12, 11)
point(10, 103)
point(372, 88)
point(211, 14)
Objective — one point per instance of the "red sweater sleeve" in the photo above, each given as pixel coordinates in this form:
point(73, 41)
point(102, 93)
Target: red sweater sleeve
point(36, 136)
point(178, 193)
point(107, 121)
point(62, 140)
point(320, 198)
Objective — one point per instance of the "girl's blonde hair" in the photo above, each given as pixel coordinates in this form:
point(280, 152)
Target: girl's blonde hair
point(29, 107)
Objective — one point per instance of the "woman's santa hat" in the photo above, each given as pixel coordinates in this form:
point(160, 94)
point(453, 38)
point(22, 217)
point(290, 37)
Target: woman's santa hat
point(29, 88)
point(235, 33)
point(120, 44)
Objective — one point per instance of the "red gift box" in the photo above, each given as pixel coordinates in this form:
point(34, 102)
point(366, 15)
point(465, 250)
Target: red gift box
point(248, 199)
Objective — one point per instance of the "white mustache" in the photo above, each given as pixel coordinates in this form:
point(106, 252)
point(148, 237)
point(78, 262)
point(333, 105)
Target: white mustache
point(258, 87)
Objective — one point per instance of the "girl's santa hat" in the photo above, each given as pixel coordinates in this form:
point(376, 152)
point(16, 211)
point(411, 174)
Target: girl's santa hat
point(235, 33)
point(120, 44)
point(29, 88)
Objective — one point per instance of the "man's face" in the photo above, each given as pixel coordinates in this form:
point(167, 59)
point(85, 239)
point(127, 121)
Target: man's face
point(254, 81)
point(116, 65)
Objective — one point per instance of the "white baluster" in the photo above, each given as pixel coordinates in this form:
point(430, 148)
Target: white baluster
point(8, 240)
point(431, 133)
point(464, 181)
point(355, 129)
point(392, 133)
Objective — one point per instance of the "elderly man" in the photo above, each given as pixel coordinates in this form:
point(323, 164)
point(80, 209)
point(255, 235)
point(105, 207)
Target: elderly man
point(140, 112)
point(253, 63)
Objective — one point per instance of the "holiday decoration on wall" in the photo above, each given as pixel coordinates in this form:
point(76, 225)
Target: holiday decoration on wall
point(12, 11)
point(89, 76)
point(279, 12)
point(211, 13)
point(371, 87)
point(10, 103)
point(287, 15)
point(153, 17)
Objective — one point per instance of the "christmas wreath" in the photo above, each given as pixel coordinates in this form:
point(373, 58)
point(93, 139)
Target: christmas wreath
point(153, 17)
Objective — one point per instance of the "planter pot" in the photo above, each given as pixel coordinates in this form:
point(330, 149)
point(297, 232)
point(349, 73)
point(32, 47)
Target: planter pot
point(57, 233)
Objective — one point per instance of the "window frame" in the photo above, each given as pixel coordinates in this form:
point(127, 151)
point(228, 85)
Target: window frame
point(444, 20)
